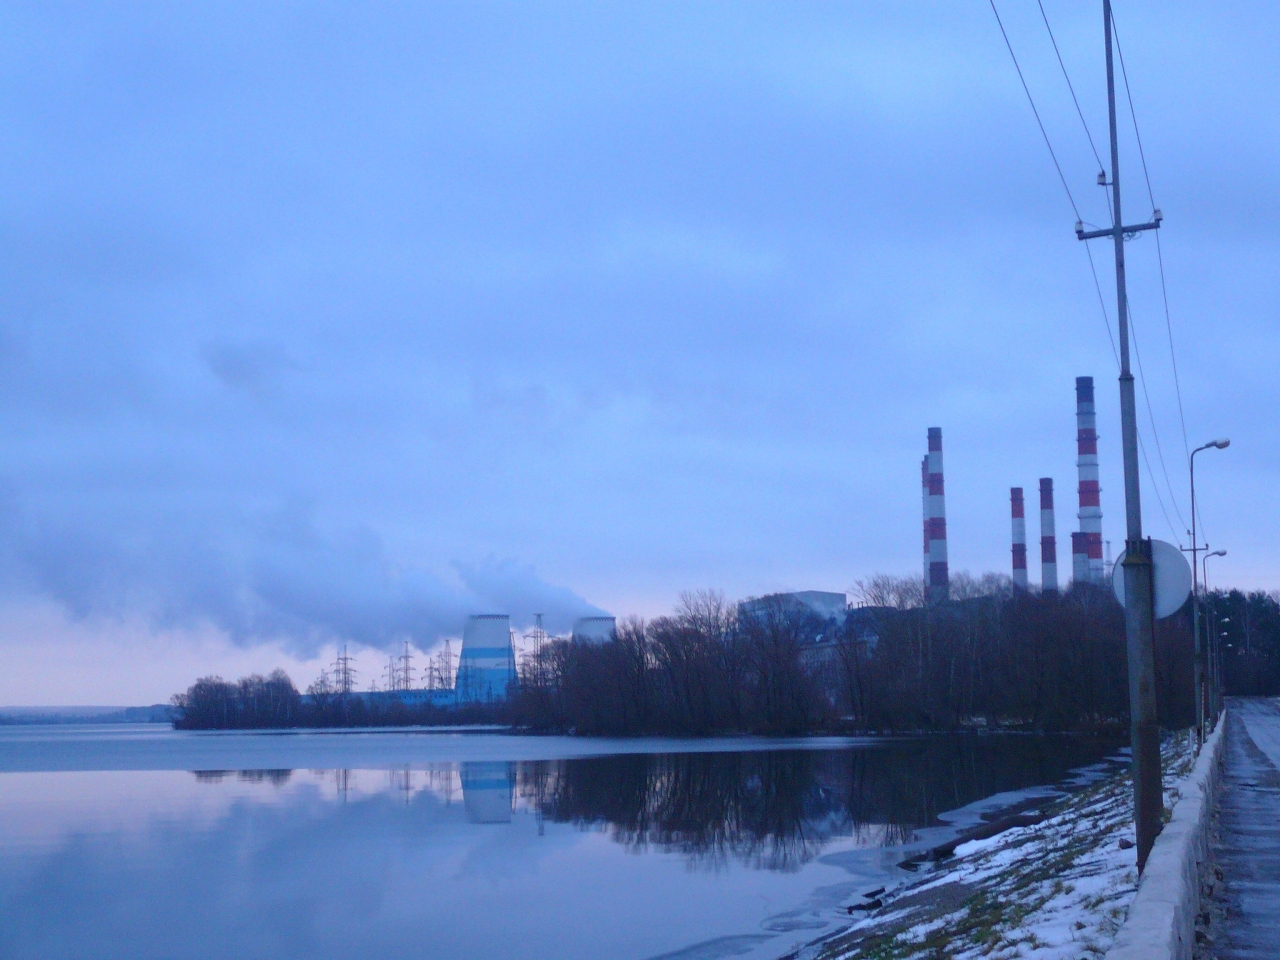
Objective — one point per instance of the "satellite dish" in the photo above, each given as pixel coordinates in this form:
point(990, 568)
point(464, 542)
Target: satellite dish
point(1172, 578)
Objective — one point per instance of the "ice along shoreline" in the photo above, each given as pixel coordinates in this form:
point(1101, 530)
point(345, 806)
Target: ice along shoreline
point(1057, 888)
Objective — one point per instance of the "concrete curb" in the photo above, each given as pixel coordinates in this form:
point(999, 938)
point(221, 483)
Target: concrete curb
point(1162, 918)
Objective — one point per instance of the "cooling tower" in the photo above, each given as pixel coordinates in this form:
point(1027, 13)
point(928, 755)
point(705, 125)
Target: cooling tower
point(487, 662)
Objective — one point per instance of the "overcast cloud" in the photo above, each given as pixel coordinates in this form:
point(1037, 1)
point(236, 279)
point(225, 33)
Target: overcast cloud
point(324, 323)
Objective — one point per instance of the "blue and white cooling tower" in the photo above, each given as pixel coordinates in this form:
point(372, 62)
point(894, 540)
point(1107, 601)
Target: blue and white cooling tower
point(487, 790)
point(487, 662)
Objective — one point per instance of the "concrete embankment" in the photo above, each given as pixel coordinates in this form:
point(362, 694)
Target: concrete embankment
point(1161, 920)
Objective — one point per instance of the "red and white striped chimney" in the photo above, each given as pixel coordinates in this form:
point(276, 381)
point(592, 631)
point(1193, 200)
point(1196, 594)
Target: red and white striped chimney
point(1019, 537)
point(1079, 559)
point(1089, 567)
point(1048, 542)
point(939, 586)
point(924, 515)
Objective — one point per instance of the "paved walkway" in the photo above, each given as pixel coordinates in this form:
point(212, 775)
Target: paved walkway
point(1243, 904)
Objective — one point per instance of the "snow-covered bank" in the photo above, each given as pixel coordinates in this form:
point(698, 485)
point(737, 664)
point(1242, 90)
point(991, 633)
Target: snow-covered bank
point(1162, 918)
point(1054, 890)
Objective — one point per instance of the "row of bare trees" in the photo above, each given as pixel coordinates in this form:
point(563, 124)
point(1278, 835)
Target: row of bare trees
point(704, 669)
point(255, 702)
point(993, 656)
point(1246, 629)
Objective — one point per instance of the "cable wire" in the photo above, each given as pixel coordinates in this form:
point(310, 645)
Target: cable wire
point(1071, 199)
point(1133, 333)
point(1079, 112)
point(1164, 288)
point(1142, 447)
point(1040, 123)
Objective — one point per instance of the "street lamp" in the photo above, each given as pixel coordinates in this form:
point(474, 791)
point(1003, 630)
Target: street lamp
point(1195, 593)
point(1215, 648)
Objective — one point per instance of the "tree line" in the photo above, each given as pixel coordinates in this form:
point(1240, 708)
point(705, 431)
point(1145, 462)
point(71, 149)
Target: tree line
point(993, 657)
point(256, 702)
point(1246, 626)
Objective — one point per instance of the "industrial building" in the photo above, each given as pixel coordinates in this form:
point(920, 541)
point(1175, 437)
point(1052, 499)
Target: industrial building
point(821, 603)
point(831, 614)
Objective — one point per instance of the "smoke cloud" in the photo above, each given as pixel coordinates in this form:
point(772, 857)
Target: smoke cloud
point(279, 579)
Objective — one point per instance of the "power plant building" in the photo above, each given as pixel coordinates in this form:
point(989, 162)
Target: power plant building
point(823, 604)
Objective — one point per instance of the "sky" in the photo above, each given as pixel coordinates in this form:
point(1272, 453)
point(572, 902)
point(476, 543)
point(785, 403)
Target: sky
point(326, 323)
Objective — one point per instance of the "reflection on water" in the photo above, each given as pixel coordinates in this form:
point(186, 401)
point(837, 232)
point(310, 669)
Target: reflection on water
point(588, 857)
point(274, 777)
point(486, 792)
point(771, 810)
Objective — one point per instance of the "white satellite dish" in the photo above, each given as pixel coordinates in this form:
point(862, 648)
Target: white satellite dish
point(1173, 578)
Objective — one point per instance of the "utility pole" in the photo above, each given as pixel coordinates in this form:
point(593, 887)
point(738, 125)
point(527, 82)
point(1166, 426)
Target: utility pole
point(1139, 603)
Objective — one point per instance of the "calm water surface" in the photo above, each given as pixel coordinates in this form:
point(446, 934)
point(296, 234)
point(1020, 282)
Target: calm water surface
point(142, 842)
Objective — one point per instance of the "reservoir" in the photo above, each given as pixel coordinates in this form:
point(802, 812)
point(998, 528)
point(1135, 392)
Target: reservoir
point(137, 841)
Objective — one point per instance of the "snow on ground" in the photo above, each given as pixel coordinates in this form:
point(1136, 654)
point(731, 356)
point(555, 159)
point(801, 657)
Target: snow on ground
point(1057, 890)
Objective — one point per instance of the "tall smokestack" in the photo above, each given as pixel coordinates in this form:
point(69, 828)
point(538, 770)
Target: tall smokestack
point(924, 516)
point(1019, 537)
point(1079, 559)
point(939, 586)
point(1048, 542)
point(1088, 564)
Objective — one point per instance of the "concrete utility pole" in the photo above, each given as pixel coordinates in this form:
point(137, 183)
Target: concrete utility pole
point(1139, 605)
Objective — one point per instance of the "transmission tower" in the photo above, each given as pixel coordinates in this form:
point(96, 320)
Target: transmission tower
point(406, 669)
point(344, 675)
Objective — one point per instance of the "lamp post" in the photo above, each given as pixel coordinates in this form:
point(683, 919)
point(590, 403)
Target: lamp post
point(1195, 594)
point(1214, 651)
point(1223, 647)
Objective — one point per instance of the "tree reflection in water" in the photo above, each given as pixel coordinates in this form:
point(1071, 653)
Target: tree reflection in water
point(777, 809)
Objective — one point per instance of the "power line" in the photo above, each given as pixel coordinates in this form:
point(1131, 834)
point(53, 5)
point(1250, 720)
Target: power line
point(1164, 287)
point(1025, 89)
point(1092, 267)
point(1142, 447)
point(1155, 434)
point(1106, 318)
point(1079, 112)
point(1132, 114)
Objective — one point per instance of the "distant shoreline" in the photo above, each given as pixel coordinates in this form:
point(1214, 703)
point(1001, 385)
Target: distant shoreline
point(26, 716)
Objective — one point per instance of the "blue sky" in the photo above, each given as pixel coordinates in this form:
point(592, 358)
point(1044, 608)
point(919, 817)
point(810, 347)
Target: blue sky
point(341, 322)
